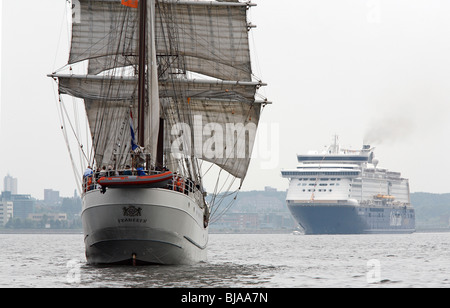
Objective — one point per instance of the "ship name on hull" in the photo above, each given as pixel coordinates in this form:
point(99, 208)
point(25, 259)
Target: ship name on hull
point(132, 214)
point(137, 220)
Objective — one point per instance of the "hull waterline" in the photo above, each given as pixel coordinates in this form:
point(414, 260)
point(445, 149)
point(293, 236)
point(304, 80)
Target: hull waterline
point(350, 219)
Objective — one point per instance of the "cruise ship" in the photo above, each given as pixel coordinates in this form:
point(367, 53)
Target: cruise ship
point(345, 192)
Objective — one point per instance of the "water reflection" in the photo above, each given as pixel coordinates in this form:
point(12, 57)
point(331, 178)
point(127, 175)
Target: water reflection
point(194, 276)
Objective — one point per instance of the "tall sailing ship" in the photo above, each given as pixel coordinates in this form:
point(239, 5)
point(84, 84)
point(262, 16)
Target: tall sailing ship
point(343, 191)
point(169, 93)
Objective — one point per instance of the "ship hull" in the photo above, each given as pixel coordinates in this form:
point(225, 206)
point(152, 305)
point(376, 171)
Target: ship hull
point(143, 226)
point(352, 219)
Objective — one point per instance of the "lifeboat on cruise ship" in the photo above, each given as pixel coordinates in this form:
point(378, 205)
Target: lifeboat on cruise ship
point(150, 181)
point(385, 197)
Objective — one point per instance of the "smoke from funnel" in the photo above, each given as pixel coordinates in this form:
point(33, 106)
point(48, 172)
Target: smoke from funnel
point(388, 130)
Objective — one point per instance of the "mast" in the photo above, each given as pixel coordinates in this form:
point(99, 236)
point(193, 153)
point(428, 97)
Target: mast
point(151, 135)
point(141, 70)
point(160, 150)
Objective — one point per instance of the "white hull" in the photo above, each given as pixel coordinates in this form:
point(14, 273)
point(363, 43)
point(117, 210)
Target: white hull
point(152, 225)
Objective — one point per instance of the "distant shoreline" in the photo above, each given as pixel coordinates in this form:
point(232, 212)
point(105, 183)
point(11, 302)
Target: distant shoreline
point(80, 232)
point(432, 230)
point(41, 231)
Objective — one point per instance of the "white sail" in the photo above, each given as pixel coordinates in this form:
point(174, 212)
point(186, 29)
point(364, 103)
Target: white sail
point(152, 112)
point(107, 33)
point(205, 37)
point(221, 132)
point(110, 122)
point(103, 28)
point(220, 34)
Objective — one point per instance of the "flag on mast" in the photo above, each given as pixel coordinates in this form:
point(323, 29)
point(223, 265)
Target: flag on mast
point(134, 146)
point(131, 3)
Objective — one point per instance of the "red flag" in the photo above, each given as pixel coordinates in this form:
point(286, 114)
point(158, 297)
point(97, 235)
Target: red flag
point(131, 3)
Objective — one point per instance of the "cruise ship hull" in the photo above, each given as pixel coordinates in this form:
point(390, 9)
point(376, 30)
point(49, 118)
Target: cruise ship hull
point(322, 218)
point(143, 226)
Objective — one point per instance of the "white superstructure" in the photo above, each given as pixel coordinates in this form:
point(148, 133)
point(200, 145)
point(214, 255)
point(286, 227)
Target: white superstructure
point(345, 175)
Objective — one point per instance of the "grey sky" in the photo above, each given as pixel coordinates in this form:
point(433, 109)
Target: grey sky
point(373, 70)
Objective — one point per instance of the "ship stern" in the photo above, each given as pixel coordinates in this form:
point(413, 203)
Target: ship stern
point(143, 226)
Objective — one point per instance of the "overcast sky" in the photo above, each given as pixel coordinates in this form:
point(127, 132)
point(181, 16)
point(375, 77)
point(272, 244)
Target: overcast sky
point(375, 71)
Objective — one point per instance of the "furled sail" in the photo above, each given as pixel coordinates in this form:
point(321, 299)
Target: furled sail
point(98, 87)
point(125, 88)
point(209, 38)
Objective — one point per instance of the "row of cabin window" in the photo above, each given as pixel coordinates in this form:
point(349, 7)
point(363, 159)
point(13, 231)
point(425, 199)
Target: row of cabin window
point(333, 173)
point(321, 184)
point(320, 190)
point(322, 179)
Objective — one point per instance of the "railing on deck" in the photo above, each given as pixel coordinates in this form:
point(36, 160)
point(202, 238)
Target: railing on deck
point(178, 183)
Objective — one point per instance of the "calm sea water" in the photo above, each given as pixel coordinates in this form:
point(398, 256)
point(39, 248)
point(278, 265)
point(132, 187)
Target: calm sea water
point(240, 260)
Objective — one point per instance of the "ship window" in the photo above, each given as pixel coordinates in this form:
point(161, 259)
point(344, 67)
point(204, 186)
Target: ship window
point(304, 190)
point(323, 184)
point(331, 184)
point(330, 190)
point(333, 179)
point(324, 179)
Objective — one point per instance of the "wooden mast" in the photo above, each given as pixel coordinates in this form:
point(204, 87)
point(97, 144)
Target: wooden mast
point(141, 70)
